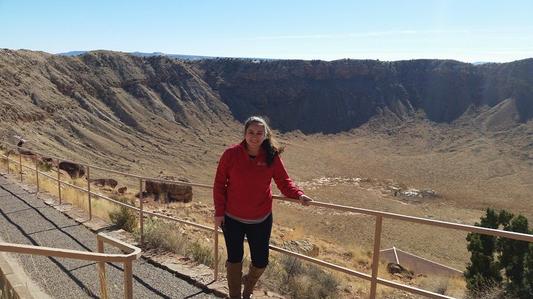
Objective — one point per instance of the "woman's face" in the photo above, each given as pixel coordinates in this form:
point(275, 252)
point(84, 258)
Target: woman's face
point(254, 135)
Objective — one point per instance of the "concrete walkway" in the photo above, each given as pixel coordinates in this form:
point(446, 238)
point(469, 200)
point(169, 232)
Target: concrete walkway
point(25, 219)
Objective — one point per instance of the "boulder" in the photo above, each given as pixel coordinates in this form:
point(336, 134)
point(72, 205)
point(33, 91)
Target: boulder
point(25, 152)
point(170, 192)
point(104, 182)
point(74, 170)
point(399, 271)
point(302, 246)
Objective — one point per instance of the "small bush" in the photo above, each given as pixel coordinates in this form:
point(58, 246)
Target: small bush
point(121, 198)
point(124, 218)
point(489, 292)
point(159, 234)
point(437, 285)
point(202, 254)
point(291, 276)
point(44, 166)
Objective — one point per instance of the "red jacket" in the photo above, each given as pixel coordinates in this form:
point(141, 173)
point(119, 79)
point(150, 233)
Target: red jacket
point(242, 185)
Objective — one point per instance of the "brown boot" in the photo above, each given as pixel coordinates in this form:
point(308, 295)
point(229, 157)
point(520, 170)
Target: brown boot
point(250, 280)
point(234, 276)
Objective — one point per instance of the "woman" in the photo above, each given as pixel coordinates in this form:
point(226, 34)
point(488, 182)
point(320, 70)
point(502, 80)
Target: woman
point(243, 201)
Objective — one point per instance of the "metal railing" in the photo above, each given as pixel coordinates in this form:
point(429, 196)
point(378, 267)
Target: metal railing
point(100, 257)
point(379, 215)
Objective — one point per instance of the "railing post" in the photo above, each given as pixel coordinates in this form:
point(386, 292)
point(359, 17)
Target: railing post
point(128, 280)
point(20, 166)
point(141, 211)
point(216, 252)
point(37, 173)
point(101, 271)
point(89, 192)
point(58, 182)
point(375, 256)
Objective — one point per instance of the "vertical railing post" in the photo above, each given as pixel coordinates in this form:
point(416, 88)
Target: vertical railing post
point(101, 271)
point(89, 192)
point(141, 211)
point(128, 280)
point(20, 165)
point(58, 182)
point(37, 173)
point(375, 256)
point(216, 252)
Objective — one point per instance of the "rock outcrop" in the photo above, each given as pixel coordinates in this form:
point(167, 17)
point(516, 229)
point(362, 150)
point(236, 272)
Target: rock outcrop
point(169, 192)
point(74, 170)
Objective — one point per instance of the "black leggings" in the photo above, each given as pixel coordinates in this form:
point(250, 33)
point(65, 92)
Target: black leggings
point(258, 235)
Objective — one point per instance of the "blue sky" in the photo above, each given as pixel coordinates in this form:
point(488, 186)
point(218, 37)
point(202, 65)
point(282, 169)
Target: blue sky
point(468, 30)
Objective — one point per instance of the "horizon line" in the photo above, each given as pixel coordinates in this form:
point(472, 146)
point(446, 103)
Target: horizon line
point(201, 56)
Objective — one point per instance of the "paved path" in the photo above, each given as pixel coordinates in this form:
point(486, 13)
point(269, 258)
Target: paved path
point(25, 219)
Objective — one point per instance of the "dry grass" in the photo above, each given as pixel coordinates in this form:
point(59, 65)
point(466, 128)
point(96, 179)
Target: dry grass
point(437, 285)
point(292, 277)
point(100, 207)
point(489, 292)
point(163, 235)
point(201, 253)
point(176, 238)
point(456, 287)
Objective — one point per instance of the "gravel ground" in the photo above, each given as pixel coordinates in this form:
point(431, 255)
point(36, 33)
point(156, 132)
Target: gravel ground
point(25, 219)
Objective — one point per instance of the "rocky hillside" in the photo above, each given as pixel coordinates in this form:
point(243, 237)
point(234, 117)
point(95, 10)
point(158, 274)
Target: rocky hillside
point(294, 94)
point(160, 109)
point(124, 111)
point(329, 97)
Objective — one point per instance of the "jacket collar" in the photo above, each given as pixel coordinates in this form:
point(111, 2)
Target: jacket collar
point(242, 146)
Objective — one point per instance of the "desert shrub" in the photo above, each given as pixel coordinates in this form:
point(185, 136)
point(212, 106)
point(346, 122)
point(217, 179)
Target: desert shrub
point(43, 166)
point(292, 277)
point(201, 254)
point(162, 235)
point(124, 218)
point(159, 234)
point(494, 291)
point(437, 284)
point(292, 265)
point(121, 198)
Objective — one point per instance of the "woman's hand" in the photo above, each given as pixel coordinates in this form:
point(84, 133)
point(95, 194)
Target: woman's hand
point(305, 200)
point(219, 221)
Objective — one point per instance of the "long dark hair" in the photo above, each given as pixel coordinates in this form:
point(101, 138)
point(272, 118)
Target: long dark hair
point(270, 145)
